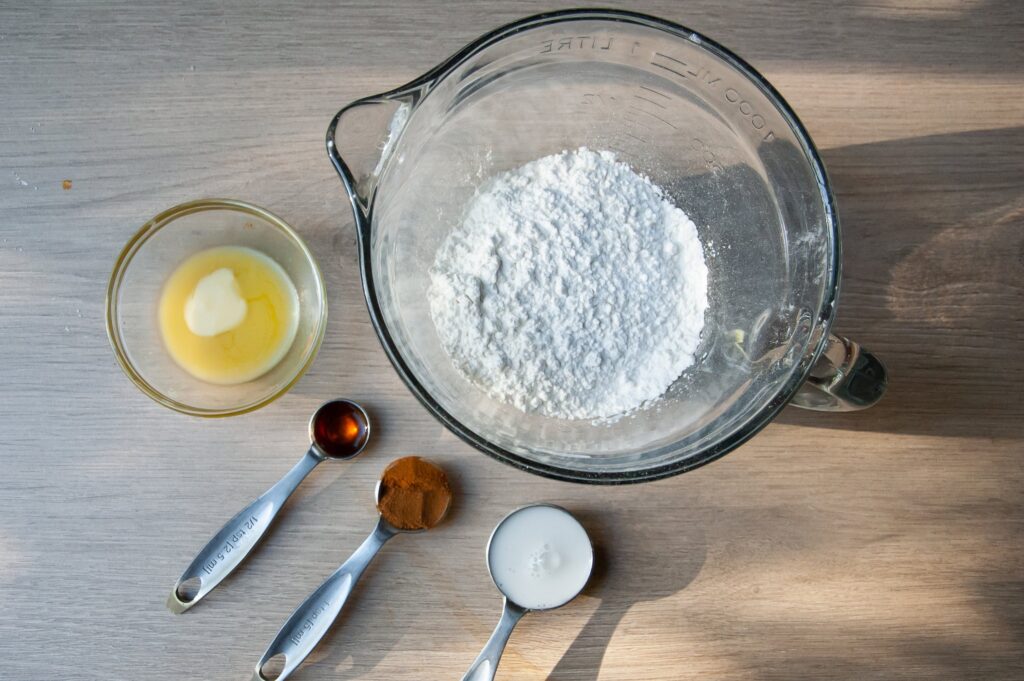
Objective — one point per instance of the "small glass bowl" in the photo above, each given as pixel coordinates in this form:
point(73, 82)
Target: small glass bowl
point(147, 261)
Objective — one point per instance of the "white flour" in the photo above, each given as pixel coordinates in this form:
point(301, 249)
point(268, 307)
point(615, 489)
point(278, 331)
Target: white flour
point(573, 288)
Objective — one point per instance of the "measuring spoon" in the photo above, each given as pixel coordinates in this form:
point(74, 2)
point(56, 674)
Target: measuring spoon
point(540, 558)
point(338, 430)
point(314, 617)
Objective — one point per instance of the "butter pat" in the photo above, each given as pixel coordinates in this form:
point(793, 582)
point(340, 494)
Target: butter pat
point(228, 314)
point(216, 304)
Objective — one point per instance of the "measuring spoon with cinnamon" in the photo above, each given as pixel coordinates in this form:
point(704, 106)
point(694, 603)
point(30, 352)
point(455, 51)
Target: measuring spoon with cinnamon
point(413, 495)
point(338, 430)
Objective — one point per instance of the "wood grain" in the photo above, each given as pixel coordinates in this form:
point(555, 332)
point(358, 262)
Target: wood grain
point(883, 545)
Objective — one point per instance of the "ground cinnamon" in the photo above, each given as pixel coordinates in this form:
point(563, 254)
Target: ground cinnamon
point(414, 494)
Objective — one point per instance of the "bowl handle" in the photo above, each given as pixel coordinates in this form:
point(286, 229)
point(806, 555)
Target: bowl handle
point(371, 128)
point(846, 377)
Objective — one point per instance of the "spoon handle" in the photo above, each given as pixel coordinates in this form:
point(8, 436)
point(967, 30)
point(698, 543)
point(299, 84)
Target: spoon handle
point(229, 547)
point(311, 620)
point(486, 663)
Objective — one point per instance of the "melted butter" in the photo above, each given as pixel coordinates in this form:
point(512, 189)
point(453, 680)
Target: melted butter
point(228, 315)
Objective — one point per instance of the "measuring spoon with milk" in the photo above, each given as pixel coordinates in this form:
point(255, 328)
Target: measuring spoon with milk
point(540, 558)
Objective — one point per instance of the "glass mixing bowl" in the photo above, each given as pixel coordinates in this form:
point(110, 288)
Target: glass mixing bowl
point(145, 264)
point(705, 127)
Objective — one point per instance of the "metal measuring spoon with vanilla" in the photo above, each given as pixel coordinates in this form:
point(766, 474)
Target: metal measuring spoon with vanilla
point(338, 430)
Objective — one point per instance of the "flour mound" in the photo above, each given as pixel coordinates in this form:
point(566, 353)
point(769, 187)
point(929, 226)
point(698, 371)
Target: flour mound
point(573, 288)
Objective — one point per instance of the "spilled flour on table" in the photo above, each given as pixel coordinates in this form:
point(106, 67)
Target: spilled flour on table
point(573, 288)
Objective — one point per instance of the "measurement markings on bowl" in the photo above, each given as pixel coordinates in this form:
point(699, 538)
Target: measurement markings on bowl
point(747, 110)
point(707, 79)
point(578, 42)
point(649, 100)
point(613, 102)
point(702, 75)
point(709, 156)
point(638, 123)
point(652, 115)
point(594, 99)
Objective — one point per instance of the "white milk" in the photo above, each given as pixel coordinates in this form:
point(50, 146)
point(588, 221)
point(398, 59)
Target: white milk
point(540, 557)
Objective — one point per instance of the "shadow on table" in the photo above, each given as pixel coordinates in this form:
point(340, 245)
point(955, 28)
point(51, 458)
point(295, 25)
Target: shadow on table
point(934, 273)
point(933, 261)
point(865, 33)
point(635, 571)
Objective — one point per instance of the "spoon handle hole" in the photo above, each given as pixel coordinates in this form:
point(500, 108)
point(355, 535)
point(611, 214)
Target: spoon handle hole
point(187, 590)
point(272, 669)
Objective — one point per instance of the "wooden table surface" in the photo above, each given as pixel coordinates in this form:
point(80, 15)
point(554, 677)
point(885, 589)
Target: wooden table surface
point(880, 545)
